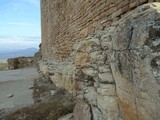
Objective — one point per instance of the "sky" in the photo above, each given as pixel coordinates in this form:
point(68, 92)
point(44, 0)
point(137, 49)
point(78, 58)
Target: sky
point(19, 24)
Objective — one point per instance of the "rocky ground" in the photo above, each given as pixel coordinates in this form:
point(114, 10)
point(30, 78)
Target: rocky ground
point(16, 88)
point(36, 99)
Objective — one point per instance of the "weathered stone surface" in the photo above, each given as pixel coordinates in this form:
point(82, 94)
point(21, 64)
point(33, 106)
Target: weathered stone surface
point(91, 95)
point(116, 70)
point(134, 48)
point(65, 22)
point(67, 117)
point(20, 62)
point(43, 67)
point(109, 107)
point(107, 89)
point(104, 69)
point(56, 78)
point(97, 115)
point(64, 73)
point(89, 71)
point(82, 111)
point(82, 59)
point(38, 56)
point(106, 77)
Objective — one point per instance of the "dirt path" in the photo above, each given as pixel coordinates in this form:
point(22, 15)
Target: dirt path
point(17, 83)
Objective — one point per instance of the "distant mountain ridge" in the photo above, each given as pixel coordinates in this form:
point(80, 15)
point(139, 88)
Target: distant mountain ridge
point(18, 53)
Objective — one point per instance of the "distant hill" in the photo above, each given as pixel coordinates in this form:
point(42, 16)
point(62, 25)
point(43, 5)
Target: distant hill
point(23, 52)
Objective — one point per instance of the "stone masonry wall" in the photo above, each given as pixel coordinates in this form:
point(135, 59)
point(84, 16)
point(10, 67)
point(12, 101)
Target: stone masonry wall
point(20, 62)
point(114, 70)
point(66, 21)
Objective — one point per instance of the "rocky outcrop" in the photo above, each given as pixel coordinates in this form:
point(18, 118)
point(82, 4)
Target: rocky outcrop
point(38, 55)
point(115, 72)
point(20, 62)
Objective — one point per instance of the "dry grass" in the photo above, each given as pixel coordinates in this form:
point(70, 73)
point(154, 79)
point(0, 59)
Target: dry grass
point(3, 65)
point(42, 111)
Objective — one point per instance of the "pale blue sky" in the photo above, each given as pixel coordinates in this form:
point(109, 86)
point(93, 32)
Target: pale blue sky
point(19, 23)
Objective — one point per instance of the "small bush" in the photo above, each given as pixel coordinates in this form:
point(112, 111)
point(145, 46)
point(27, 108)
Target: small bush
point(3, 66)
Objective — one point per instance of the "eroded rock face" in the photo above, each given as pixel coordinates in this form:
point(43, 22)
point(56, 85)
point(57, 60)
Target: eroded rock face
point(135, 46)
point(116, 71)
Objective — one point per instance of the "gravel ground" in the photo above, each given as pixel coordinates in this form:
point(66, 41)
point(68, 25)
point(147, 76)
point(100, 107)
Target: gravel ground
point(27, 95)
point(16, 88)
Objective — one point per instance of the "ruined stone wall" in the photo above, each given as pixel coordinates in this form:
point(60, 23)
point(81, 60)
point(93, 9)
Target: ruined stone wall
point(20, 62)
point(111, 65)
point(66, 21)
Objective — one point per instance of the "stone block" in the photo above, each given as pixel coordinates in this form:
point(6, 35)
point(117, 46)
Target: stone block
point(109, 107)
point(106, 77)
point(90, 95)
point(82, 59)
point(107, 89)
point(82, 111)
